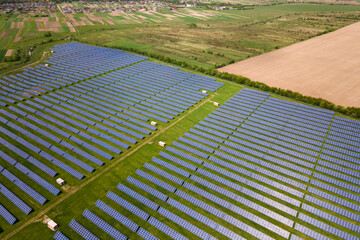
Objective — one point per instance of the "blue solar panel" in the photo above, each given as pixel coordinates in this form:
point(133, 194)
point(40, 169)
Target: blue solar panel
point(196, 144)
point(60, 236)
point(177, 160)
point(42, 182)
point(116, 215)
point(7, 215)
point(146, 235)
point(82, 231)
point(138, 197)
point(171, 167)
point(7, 158)
point(155, 180)
point(191, 150)
point(23, 186)
point(129, 206)
point(147, 188)
point(185, 224)
point(164, 174)
point(166, 229)
point(15, 199)
point(61, 165)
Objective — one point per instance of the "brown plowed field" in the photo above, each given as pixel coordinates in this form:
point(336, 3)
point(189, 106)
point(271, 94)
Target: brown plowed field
point(327, 66)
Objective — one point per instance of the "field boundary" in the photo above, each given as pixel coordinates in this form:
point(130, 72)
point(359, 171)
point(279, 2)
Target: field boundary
point(44, 55)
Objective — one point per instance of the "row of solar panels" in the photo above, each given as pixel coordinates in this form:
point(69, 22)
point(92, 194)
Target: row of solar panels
point(40, 80)
point(168, 70)
point(58, 116)
point(22, 184)
point(338, 149)
point(55, 113)
point(77, 123)
point(206, 139)
point(190, 227)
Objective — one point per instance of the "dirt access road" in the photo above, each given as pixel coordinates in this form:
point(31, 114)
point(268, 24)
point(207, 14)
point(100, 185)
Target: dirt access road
point(327, 66)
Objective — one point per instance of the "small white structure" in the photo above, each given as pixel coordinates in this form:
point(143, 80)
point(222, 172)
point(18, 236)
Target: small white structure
point(153, 123)
point(60, 181)
point(204, 91)
point(46, 65)
point(216, 103)
point(161, 143)
point(52, 51)
point(52, 225)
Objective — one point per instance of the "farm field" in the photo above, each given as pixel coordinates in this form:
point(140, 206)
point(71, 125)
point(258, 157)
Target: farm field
point(197, 36)
point(255, 167)
point(225, 36)
point(326, 66)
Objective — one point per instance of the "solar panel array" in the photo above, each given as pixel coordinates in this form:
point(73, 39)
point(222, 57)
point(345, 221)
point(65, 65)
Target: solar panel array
point(83, 108)
point(257, 167)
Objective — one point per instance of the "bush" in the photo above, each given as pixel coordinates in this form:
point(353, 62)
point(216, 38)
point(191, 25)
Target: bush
point(192, 25)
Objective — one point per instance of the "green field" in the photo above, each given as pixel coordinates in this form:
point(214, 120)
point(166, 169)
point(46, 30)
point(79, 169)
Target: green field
point(197, 36)
point(229, 35)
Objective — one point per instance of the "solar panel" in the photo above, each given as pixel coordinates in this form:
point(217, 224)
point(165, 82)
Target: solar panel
point(155, 180)
point(146, 235)
point(129, 206)
point(147, 188)
point(15, 200)
point(60, 236)
point(116, 215)
point(7, 215)
point(138, 197)
point(42, 182)
point(82, 231)
point(23, 186)
point(165, 229)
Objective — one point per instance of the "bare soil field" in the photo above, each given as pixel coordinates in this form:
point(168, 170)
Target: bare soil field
point(327, 66)
point(94, 18)
point(87, 21)
point(47, 26)
point(74, 21)
point(71, 27)
point(9, 53)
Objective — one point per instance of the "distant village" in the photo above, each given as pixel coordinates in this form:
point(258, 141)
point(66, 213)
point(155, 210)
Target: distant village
point(28, 7)
point(98, 6)
point(123, 6)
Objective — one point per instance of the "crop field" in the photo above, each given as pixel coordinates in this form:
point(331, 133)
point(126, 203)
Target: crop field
point(326, 66)
point(229, 35)
point(198, 36)
point(255, 167)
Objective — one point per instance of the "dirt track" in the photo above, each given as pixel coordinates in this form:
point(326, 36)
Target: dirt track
point(327, 66)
